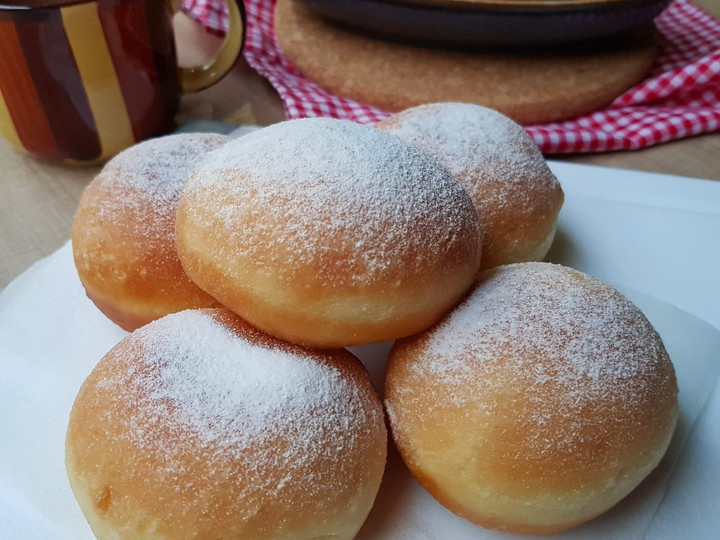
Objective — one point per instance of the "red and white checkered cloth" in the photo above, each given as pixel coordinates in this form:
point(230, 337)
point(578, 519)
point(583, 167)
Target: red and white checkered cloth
point(680, 98)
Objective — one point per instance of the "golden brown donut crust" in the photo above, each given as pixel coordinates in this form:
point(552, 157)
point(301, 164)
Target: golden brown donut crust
point(517, 197)
point(141, 470)
point(123, 233)
point(539, 403)
point(329, 234)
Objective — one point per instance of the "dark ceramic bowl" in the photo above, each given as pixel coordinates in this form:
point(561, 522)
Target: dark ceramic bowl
point(488, 22)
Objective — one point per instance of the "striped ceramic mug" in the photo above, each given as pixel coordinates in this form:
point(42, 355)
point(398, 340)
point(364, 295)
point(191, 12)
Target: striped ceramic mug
point(81, 80)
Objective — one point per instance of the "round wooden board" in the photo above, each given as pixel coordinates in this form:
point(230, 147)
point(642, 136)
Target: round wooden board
point(530, 86)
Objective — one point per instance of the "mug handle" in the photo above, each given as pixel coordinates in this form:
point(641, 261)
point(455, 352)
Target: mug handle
point(194, 79)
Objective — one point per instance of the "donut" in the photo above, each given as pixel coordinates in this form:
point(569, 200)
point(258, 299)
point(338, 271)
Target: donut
point(537, 404)
point(518, 198)
point(327, 233)
point(198, 425)
point(123, 234)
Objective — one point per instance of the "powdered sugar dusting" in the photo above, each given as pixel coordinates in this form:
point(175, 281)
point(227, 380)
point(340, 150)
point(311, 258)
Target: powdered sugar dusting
point(319, 190)
point(569, 341)
point(478, 145)
point(589, 329)
point(211, 389)
point(147, 179)
point(158, 168)
point(465, 137)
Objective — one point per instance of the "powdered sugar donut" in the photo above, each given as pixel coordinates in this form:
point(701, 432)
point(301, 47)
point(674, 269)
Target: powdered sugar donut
point(537, 404)
point(517, 197)
point(327, 233)
point(124, 231)
point(200, 426)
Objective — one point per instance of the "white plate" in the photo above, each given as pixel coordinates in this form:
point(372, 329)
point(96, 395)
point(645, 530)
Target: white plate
point(51, 336)
point(658, 234)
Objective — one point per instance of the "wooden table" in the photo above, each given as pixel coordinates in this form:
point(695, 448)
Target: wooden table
point(38, 199)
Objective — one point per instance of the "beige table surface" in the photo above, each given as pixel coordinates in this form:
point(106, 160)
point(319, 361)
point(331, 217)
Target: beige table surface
point(38, 199)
